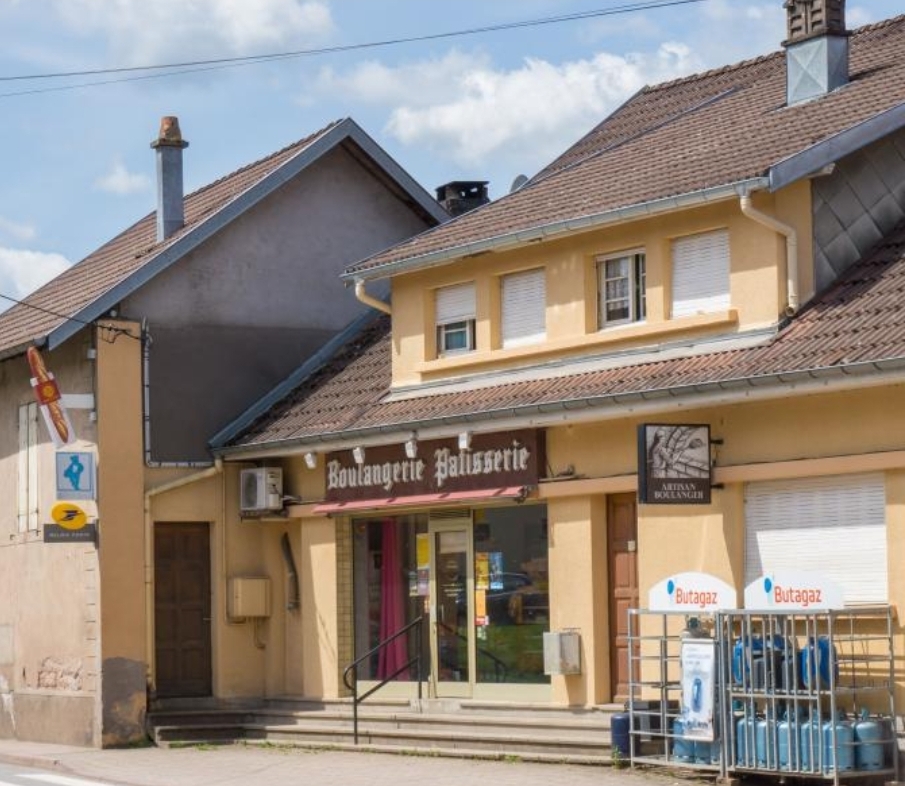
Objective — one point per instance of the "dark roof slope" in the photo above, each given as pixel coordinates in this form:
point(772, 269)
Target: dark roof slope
point(710, 130)
point(858, 323)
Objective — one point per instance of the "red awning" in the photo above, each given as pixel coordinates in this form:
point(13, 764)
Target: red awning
point(420, 500)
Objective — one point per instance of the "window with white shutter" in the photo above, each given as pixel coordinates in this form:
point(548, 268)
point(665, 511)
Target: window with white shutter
point(455, 317)
point(524, 308)
point(700, 274)
point(27, 493)
point(834, 526)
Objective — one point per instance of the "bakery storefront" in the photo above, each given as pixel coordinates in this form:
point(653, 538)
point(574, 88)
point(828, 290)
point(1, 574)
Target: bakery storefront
point(445, 539)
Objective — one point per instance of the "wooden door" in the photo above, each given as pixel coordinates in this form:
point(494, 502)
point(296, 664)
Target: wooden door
point(622, 557)
point(182, 609)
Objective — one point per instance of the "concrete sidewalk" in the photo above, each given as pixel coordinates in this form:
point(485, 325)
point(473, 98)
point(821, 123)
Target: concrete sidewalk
point(248, 765)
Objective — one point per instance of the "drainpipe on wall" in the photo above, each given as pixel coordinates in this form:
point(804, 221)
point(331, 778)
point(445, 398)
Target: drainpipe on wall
point(210, 472)
point(365, 298)
point(791, 250)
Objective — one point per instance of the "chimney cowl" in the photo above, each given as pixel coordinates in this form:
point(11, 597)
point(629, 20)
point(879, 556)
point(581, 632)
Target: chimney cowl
point(817, 50)
point(170, 134)
point(812, 18)
point(461, 196)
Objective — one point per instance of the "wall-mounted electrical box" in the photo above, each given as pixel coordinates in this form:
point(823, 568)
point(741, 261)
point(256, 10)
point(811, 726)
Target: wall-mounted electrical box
point(249, 596)
point(562, 652)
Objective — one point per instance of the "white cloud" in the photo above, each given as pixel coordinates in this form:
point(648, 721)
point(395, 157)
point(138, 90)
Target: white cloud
point(22, 272)
point(17, 230)
point(463, 108)
point(121, 181)
point(145, 32)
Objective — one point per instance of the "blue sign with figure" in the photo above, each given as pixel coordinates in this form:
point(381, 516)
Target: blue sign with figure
point(75, 475)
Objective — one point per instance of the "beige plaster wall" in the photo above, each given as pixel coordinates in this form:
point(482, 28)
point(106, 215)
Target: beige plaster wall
point(49, 636)
point(758, 288)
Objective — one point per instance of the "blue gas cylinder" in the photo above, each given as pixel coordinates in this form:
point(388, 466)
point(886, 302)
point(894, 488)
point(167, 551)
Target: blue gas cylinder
point(809, 747)
point(707, 752)
point(870, 740)
point(620, 725)
point(838, 745)
point(682, 749)
point(815, 662)
point(744, 741)
point(765, 745)
point(787, 732)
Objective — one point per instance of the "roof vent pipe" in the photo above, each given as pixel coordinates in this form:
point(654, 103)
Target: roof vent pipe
point(816, 48)
point(169, 146)
point(791, 250)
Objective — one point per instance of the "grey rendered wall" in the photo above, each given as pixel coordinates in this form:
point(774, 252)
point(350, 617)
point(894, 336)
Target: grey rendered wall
point(236, 316)
point(49, 647)
point(855, 206)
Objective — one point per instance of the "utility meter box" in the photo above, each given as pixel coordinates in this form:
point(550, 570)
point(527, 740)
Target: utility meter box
point(562, 652)
point(249, 596)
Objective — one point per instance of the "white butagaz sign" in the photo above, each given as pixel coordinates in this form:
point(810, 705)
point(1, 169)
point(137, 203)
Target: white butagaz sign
point(673, 464)
point(793, 591)
point(698, 660)
point(692, 592)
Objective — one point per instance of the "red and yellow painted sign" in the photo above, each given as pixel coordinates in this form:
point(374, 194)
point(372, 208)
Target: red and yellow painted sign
point(47, 392)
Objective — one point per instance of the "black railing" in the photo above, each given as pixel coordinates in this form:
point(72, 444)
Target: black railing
point(352, 669)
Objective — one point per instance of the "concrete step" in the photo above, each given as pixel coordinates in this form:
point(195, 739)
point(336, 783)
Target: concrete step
point(493, 729)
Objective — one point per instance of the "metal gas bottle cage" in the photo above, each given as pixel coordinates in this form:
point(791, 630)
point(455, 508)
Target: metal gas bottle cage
point(782, 682)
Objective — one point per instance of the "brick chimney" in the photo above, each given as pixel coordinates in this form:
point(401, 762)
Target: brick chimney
point(460, 196)
point(169, 146)
point(816, 49)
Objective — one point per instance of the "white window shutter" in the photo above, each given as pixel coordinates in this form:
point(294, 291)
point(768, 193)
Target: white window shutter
point(834, 526)
point(524, 308)
point(455, 303)
point(700, 274)
point(27, 492)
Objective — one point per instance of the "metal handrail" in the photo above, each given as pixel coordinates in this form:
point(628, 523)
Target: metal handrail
point(352, 668)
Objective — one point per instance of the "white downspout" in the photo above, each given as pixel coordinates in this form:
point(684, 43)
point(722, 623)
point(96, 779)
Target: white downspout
point(791, 250)
point(216, 469)
point(365, 298)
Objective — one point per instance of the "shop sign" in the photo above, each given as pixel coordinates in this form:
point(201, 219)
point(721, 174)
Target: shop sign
point(47, 393)
point(698, 688)
point(674, 464)
point(692, 592)
point(55, 533)
point(511, 458)
point(793, 591)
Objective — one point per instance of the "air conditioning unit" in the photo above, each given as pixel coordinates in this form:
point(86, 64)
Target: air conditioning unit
point(261, 489)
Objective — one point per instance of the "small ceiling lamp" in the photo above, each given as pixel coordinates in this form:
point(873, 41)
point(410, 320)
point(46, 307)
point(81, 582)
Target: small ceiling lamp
point(358, 453)
point(311, 460)
point(465, 440)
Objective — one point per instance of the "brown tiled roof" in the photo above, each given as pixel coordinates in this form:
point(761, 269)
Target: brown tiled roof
point(79, 286)
point(859, 322)
point(713, 129)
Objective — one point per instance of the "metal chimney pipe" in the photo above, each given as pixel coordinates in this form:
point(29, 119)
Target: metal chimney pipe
point(169, 146)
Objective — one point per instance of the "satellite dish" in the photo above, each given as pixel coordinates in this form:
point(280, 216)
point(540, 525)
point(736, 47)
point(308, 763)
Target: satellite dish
point(519, 181)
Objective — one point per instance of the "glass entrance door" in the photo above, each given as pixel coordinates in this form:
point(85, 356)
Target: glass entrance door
point(452, 612)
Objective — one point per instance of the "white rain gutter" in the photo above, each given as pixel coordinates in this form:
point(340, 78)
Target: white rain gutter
point(365, 298)
point(186, 480)
point(791, 249)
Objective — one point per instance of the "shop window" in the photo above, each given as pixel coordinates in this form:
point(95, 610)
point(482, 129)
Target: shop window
point(27, 495)
point(455, 318)
point(700, 273)
point(834, 526)
point(512, 606)
point(621, 289)
point(523, 301)
point(390, 591)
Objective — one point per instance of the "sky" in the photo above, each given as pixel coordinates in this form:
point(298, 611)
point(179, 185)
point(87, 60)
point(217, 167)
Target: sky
point(76, 167)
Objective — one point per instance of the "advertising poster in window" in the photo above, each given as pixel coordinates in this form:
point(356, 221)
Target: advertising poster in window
point(697, 688)
point(674, 464)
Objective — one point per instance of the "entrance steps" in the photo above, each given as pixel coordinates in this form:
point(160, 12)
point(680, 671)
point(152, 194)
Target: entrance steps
point(464, 728)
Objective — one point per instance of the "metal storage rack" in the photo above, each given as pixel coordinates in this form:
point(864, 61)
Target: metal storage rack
point(789, 677)
point(767, 691)
point(655, 693)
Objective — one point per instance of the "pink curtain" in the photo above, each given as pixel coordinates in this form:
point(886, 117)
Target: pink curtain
point(392, 604)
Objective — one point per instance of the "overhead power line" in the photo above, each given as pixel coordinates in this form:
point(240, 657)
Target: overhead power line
point(194, 66)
